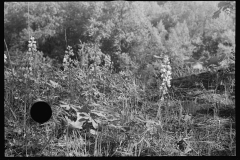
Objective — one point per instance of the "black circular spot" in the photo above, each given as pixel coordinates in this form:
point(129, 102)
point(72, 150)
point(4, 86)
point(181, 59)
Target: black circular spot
point(41, 112)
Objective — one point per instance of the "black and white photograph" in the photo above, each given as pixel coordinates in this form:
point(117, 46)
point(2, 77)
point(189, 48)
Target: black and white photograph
point(119, 78)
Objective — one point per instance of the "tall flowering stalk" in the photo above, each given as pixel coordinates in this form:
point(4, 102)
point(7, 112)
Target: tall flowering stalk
point(5, 58)
point(164, 69)
point(31, 49)
point(32, 45)
point(166, 72)
point(67, 61)
point(163, 72)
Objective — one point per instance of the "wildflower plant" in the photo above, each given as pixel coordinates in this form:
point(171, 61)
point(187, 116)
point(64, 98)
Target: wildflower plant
point(31, 49)
point(67, 61)
point(34, 68)
point(5, 58)
point(89, 70)
point(163, 74)
point(32, 45)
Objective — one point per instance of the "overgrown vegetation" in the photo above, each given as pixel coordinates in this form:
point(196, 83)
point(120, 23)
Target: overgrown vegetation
point(116, 77)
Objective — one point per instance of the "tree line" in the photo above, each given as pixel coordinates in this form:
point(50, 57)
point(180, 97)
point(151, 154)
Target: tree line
point(131, 33)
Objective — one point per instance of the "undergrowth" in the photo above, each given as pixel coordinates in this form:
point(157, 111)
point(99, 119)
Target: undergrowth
point(97, 112)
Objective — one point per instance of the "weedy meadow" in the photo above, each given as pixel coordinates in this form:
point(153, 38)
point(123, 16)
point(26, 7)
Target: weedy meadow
point(97, 112)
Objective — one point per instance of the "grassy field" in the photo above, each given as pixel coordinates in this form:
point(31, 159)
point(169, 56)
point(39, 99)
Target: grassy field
point(104, 114)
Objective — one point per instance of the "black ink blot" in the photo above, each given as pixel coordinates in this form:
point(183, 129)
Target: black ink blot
point(41, 112)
